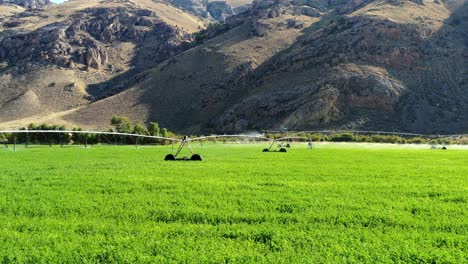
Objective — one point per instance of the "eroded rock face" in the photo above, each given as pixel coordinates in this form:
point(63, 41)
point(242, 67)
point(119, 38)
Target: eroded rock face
point(386, 72)
point(197, 7)
point(313, 104)
point(219, 10)
point(82, 39)
point(30, 4)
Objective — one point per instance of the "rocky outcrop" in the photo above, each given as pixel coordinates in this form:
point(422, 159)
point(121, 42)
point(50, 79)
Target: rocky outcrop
point(357, 68)
point(313, 104)
point(300, 64)
point(219, 10)
point(340, 69)
point(30, 4)
point(82, 39)
point(259, 29)
point(197, 7)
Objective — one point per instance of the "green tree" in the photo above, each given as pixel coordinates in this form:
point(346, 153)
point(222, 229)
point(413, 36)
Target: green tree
point(153, 129)
point(78, 138)
point(122, 124)
point(164, 132)
point(140, 130)
point(32, 126)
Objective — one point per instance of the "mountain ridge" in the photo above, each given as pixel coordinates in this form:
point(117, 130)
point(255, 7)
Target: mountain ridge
point(29, 4)
point(386, 64)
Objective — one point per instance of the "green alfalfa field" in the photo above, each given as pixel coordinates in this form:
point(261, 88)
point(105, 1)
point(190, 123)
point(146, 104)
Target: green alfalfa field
point(331, 204)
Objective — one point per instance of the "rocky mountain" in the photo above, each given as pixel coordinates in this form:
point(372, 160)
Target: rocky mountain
point(217, 10)
point(392, 65)
point(69, 55)
point(29, 4)
point(395, 65)
point(197, 7)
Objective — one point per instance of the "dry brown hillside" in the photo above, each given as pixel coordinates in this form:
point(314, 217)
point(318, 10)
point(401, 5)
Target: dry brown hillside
point(62, 57)
point(390, 65)
point(301, 64)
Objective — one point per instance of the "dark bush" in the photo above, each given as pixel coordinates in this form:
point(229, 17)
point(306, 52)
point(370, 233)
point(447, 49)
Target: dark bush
point(344, 137)
point(417, 140)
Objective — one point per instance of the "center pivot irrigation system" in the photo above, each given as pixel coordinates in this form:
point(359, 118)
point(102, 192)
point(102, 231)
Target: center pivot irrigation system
point(283, 147)
point(278, 144)
point(197, 157)
point(184, 142)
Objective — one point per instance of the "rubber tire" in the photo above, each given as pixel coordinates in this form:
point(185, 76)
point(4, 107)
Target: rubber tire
point(288, 145)
point(283, 150)
point(444, 148)
point(196, 157)
point(265, 150)
point(169, 157)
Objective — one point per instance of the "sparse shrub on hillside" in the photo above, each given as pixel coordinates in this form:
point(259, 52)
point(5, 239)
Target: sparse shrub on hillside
point(213, 30)
point(340, 20)
point(455, 21)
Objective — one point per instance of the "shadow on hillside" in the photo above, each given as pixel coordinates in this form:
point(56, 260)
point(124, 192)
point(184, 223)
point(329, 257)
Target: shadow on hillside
point(178, 101)
point(436, 99)
point(438, 103)
point(157, 46)
point(190, 88)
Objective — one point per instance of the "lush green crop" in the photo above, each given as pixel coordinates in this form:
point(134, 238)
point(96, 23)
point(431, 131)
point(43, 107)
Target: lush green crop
point(121, 204)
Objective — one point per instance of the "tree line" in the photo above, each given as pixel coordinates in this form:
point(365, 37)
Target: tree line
point(120, 124)
point(125, 125)
point(375, 138)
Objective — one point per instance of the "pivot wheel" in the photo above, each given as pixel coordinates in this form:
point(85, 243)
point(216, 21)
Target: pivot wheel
point(169, 157)
point(283, 150)
point(265, 150)
point(196, 157)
